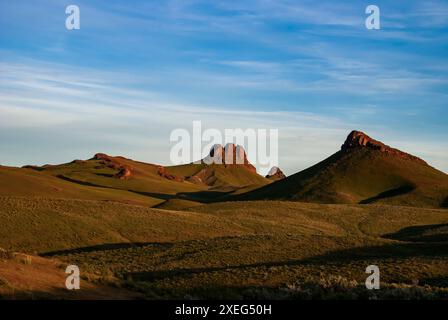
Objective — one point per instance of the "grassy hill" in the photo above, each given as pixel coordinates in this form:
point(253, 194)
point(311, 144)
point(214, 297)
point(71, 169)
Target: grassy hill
point(362, 175)
point(96, 172)
point(157, 183)
point(32, 183)
point(40, 224)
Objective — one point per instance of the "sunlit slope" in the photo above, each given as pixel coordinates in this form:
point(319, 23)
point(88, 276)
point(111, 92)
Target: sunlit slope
point(221, 176)
point(362, 175)
point(155, 181)
point(32, 183)
point(144, 177)
point(42, 224)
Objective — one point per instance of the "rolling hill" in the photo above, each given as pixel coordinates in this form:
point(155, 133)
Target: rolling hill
point(363, 171)
point(26, 182)
point(118, 178)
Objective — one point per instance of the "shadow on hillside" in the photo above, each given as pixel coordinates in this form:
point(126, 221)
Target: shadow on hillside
point(426, 233)
point(203, 196)
point(438, 281)
point(445, 203)
point(106, 247)
point(389, 194)
point(388, 251)
point(199, 196)
point(163, 196)
point(107, 175)
point(369, 253)
point(84, 183)
point(102, 292)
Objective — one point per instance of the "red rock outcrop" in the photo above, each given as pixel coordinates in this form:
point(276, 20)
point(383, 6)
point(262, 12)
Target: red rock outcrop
point(205, 176)
point(358, 139)
point(228, 156)
point(275, 174)
point(124, 171)
point(161, 171)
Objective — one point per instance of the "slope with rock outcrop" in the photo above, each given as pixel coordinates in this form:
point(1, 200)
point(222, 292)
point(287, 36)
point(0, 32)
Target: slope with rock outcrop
point(120, 173)
point(226, 168)
point(106, 174)
point(363, 171)
point(275, 174)
point(26, 182)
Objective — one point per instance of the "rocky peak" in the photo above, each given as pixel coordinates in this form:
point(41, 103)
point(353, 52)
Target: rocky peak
point(231, 154)
point(275, 174)
point(358, 139)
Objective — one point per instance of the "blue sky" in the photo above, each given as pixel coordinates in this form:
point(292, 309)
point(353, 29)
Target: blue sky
point(133, 73)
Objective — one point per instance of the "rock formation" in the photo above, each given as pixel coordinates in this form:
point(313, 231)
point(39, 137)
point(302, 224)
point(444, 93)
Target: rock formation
point(161, 171)
point(228, 156)
point(275, 174)
point(124, 171)
point(358, 139)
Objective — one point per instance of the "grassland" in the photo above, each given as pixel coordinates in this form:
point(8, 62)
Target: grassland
point(259, 249)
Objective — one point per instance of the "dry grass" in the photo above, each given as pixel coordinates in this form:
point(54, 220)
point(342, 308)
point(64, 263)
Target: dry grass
point(242, 249)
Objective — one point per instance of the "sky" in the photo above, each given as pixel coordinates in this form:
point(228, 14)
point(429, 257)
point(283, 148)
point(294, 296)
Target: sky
point(135, 71)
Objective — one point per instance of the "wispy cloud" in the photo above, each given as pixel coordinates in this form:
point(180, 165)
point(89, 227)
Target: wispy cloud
point(120, 119)
point(134, 72)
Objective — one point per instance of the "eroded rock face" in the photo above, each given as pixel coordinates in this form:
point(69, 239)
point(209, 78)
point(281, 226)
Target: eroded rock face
point(275, 174)
point(358, 139)
point(229, 155)
point(205, 176)
point(102, 156)
point(124, 171)
point(161, 171)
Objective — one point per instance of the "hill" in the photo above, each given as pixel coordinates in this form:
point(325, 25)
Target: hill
point(120, 177)
point(31, 183)
point(224, 168)
point(122, 174)
point(363, 171)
